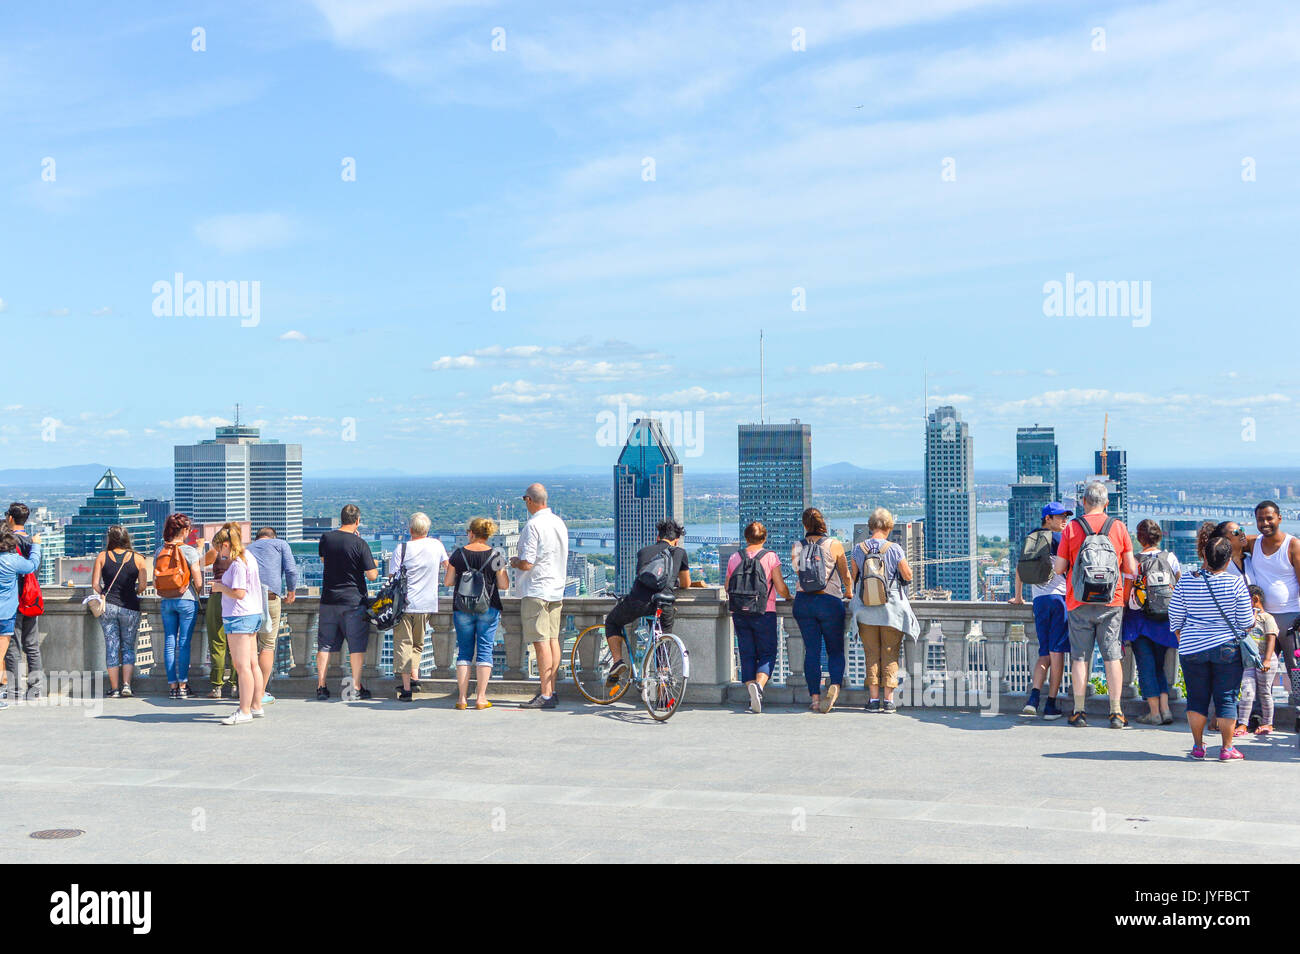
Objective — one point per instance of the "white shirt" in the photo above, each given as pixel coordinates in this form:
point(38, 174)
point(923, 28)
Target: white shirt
point(425, 560)
point(544, 542)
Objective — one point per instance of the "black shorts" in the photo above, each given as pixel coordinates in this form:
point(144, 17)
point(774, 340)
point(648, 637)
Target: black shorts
point(342, 623)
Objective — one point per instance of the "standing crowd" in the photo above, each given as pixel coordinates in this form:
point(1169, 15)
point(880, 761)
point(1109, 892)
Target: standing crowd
point(1230, 623)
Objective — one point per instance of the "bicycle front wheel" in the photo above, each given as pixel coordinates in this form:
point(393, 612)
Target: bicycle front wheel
point(664, 678)
point(590, 662)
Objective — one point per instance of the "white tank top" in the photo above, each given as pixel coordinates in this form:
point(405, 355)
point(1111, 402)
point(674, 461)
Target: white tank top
point(1276, 577)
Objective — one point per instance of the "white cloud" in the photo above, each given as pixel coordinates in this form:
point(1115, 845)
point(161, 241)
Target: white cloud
point(836, 368)
point(194, 422)
point(101, 312)
point(456, 361)
point(293, 336)
point(3, 304)
point(246, 232)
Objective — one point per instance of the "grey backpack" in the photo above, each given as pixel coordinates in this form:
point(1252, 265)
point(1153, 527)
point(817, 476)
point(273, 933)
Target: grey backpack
point(1096, 565)
point(474, 588)
point(814, 567)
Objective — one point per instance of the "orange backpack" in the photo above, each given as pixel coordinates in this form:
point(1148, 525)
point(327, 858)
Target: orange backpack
point(171, 572)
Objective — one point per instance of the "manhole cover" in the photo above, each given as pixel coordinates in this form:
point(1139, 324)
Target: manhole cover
point(49, 834)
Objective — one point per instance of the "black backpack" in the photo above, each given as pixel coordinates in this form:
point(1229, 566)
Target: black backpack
point(389, 603)
point(748, 586)
point(1035, 564)
point(657, 574)
point(473, 589)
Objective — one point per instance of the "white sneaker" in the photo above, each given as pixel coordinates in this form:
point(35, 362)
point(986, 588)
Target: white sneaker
point(126, 690)
point(755, 698)
point(236, 718)
point(258, 714)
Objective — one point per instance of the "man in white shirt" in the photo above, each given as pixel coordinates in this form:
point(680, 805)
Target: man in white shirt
point(543, 562)
point(425, 560)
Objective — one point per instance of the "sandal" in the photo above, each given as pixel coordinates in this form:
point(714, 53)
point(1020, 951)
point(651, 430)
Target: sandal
point(1264, 730)
point(831, 696)
point(461, 705)
point(815, 706)
point(483, 705)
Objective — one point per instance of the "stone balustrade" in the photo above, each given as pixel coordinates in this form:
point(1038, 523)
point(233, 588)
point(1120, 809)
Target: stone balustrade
point(976, 639)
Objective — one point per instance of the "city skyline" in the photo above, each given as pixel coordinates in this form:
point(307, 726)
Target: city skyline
point(426, 294)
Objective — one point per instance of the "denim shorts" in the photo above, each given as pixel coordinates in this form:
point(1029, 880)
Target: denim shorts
point(1213, 676)
point(236, 625)
point(475, 635)
point(7, 626)
point(1049, 621)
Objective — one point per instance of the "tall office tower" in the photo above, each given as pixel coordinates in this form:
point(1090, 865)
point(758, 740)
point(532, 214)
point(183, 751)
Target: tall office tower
point(1180, 540)
point(52, 547)
point(108, 504)
point(911, 537)
point(1116, 501)
point(1036, 456)
point(647, 489)
point(1116, 471)
point(1025, 513)
point(157, 511)
point(776, 482)
point(949, 504)
point(239, 476)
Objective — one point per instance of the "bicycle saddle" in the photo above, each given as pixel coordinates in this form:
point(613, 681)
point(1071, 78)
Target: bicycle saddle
point(663, 599)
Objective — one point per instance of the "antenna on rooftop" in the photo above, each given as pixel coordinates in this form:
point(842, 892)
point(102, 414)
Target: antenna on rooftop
point(1105, 448)
point(762, 393)
point(236, 415)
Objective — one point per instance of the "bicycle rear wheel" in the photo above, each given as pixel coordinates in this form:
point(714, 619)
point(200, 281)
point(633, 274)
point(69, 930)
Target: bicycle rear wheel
point(664, 678)
point(590, 662)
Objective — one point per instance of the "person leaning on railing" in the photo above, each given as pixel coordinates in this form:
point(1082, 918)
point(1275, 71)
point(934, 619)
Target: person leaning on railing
point(882, 628)
point(119, 578)
point(12, 566)
point(819, 613)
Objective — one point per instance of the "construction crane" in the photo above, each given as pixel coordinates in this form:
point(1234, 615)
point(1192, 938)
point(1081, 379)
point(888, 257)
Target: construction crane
point(1105, 448)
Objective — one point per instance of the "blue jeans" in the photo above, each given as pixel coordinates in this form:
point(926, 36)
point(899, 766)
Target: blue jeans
point(120, 626)
point(1213, 675)
point(1150, 658)
point(820, 618)
point(475, 636)
point(178, 619)
point(756, 641)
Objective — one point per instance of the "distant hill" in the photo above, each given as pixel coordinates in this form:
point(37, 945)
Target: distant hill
point(841, 469)
point(83, 476)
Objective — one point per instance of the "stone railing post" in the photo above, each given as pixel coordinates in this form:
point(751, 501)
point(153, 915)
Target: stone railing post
point(795, 655)
point(1171, 672)
point(955, 661)
point(1129, 664)
point(995, 653)
point(444, 645)
point(513, 637)
point(302, 615)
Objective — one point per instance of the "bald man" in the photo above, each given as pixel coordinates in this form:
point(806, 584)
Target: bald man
point(543, 564)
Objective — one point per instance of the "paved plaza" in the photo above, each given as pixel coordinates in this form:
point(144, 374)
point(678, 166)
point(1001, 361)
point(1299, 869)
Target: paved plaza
point(157, 780)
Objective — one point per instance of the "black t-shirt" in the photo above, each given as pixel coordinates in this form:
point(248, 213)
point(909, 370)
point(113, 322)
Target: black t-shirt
point(347, 558)
point(487, 562)
point(643, 556)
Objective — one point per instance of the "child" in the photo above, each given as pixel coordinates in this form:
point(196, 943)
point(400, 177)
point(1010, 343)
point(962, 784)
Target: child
point(1259, 680)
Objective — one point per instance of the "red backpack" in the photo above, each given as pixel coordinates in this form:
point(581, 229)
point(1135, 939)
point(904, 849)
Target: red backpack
point(30, 600)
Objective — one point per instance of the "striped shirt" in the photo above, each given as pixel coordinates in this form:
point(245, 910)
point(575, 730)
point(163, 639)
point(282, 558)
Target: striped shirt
point(1194, 616)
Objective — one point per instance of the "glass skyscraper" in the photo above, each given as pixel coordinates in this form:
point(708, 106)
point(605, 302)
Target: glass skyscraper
point(107, 505)
point(775, 469)
point(949, 504)
point(647, 489)
point(1036, 456)
point(239, 476)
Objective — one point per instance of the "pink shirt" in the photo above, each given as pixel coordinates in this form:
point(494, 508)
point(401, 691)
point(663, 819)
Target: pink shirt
point(771, 564)
point(242, 575)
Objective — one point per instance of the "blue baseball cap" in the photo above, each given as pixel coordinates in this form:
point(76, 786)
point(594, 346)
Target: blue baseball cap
point(1055, 509)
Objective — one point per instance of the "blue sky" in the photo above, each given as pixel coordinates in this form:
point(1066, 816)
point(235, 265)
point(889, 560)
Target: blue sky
point(524, 169)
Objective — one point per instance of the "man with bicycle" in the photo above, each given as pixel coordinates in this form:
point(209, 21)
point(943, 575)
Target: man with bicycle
point(660, 568)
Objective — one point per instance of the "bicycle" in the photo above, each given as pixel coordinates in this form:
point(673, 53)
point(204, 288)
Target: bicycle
point(664, 667)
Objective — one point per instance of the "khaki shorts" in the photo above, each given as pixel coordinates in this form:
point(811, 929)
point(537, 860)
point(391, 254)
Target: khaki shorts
point(266, 641)
point(539, 619)
point(408, 642)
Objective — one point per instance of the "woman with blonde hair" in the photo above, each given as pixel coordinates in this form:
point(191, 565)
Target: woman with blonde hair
point(241, 617)
point(880, 608)
point(476, 606)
